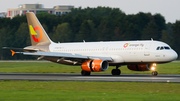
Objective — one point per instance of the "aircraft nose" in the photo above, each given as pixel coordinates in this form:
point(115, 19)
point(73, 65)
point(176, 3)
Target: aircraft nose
point(173, 55)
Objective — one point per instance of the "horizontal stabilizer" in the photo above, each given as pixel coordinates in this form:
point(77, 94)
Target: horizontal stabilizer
point(13, 52)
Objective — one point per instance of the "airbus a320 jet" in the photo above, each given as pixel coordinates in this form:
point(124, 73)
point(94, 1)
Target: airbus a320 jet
point(97, 56)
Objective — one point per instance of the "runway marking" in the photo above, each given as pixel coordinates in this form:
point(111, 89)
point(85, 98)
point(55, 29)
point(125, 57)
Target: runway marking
point(122, 78)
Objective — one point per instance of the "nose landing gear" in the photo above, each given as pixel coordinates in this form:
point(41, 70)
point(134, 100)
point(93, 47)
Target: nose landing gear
point(154, 73)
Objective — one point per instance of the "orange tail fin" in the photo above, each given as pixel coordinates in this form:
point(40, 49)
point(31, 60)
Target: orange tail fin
point(37, 33)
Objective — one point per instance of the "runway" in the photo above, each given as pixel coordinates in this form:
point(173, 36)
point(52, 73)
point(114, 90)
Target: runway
point(93, 77)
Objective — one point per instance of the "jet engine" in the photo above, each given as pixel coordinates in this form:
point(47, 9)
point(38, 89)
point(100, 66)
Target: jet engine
point(95, 65)
point(139, 67)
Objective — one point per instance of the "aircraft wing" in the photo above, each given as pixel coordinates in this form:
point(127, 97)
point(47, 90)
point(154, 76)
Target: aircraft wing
point(63, 55)
point(66, 55)
point(56, 54)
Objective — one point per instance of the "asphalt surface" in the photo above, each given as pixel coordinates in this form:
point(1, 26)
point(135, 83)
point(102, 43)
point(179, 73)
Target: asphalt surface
point(92, 77)
point(35, 61)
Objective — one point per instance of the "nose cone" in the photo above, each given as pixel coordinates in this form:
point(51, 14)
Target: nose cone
point(173, 55)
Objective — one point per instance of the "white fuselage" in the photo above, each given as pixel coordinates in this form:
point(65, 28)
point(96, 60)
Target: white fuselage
point(121, 52)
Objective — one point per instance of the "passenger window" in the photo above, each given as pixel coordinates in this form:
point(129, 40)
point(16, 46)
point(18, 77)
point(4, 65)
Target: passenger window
point(157, 48)
point(167, 48)
point(161, 48)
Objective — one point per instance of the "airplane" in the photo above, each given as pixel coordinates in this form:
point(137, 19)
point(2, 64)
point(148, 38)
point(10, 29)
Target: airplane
point(97, 56)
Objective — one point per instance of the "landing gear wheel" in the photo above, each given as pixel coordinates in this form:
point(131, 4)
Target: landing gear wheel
point(154, 73)
point(85, 73)
point(116, 72)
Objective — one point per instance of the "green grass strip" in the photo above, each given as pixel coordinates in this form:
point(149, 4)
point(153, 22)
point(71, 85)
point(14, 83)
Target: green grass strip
point(88, 91)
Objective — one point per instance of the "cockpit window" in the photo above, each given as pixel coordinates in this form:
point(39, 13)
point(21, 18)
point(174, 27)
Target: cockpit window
point(167, 48)
point(161, 48)
point(157, 48)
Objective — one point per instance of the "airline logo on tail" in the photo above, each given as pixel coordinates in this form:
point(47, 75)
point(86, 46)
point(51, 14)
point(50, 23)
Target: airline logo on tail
point(33, 33)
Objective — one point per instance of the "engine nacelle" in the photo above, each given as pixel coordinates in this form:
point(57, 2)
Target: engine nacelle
point(138, 67)
point(95, 65)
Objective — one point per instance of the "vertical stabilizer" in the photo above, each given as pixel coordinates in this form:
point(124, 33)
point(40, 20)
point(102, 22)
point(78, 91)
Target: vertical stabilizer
point(37, 33)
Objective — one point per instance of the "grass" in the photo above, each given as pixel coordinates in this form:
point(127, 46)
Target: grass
point(88, 91)
point(48, 67)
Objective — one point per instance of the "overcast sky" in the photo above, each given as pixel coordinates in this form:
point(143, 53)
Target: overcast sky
point(170, 9)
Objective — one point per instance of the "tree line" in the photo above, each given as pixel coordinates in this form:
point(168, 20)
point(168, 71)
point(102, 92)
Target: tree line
point(90, 24)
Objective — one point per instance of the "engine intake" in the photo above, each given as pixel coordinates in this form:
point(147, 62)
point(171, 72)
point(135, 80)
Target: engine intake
point(95, 65)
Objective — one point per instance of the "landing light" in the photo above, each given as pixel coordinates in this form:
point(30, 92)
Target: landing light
point(153, 68)
point(154, 64)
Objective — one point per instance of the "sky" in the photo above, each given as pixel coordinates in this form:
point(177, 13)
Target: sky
point(170, 9)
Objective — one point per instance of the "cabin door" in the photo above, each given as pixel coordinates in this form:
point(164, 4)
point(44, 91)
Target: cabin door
point(146, 49)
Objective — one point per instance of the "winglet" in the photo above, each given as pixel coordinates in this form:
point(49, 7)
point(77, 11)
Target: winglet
point(13, 52)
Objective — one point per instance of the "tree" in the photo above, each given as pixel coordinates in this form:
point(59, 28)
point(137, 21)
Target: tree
point(21, 36)
point(150, 31)
point(86, 32)
point(132, 32)
point(1, 43)
point(6, 39)
point(165, 37)
point(118, 33)
point(176, 36)
point(160, 22)
point(169, 28)
point(45, 28)
point(142, 19)
point(76, 23)
point(63, 33)
point(103, 31)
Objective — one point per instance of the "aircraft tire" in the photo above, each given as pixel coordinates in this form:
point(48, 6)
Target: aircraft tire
point(154, 73)
point(116, 72)
point(85, 73)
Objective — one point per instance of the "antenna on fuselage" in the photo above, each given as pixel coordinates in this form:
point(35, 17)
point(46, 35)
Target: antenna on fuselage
point(151, 39)
point(84, 41)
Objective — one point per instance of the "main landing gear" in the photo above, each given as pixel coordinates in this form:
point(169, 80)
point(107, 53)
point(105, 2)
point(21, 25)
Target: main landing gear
point(116, 71)
point(85, 73)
